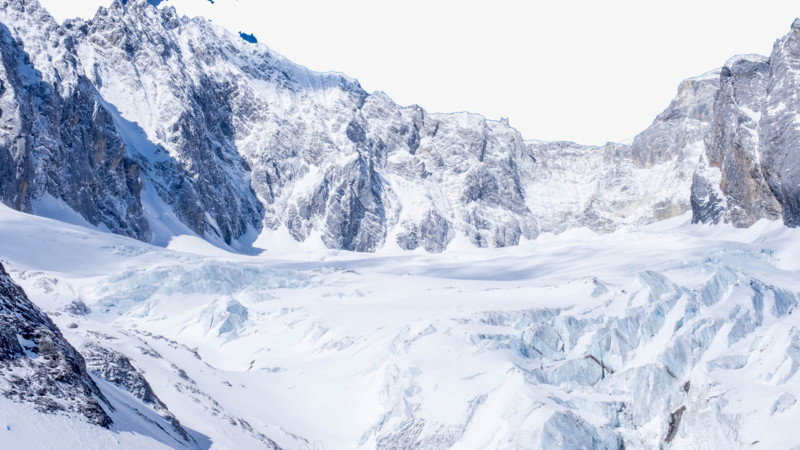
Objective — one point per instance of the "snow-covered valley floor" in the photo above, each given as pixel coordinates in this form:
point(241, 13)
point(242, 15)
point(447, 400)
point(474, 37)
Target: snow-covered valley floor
point(672, 335)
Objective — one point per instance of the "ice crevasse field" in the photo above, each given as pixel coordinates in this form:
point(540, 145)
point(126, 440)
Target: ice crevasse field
point(670, 334)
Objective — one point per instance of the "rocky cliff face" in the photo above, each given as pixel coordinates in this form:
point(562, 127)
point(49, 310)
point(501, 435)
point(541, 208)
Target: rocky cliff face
point(118, 370)
point(57, 138)
point(38, 365)
point(750, 170)
point(140, 108)
point(734, 147)
point(780, 125)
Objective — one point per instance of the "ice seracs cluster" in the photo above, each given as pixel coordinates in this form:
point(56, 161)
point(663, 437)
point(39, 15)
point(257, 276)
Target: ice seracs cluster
point(670, 335)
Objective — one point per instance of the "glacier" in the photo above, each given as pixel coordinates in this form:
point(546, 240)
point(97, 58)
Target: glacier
point(671, 335)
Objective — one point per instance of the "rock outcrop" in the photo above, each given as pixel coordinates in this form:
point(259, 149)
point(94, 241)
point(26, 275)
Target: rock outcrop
point(56, 136)
point(118, 370)
point(780, 125)
point(38, 365)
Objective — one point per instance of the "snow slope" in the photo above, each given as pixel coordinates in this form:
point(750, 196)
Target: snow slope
point(575, 340)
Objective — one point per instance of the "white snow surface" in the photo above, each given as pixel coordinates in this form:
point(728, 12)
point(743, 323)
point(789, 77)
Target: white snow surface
point(471, 348)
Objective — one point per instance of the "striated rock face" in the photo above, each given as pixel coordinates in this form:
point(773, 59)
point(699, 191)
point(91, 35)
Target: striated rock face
point(39, 366)
point(139, 116)
point(184, 114)
point(752, 168)
point(56, 137)
point(734, 146)
point(780, 125)
point(729, 185)
point(117, 369)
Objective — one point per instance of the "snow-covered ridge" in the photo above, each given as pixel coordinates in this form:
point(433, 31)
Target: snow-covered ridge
point(180, 127)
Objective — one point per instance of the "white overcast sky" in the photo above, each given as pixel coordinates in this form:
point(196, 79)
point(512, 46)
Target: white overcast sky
point(582, 70)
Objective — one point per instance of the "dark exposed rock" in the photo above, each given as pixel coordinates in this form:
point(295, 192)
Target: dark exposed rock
point(44, 368)
point(707, 200)
point(732, 187)
point(77, 308)
point(117, 369)
point(433, 234)
point(752, 148)
point(674, 423)
point(780, 128)
point(58, 139)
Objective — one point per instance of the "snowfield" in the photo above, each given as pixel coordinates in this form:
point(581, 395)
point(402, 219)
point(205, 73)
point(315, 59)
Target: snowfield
point(672, 335)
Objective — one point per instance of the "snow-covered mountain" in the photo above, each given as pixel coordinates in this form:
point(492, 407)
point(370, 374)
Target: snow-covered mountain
point(174, 149)
point(151, 125)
